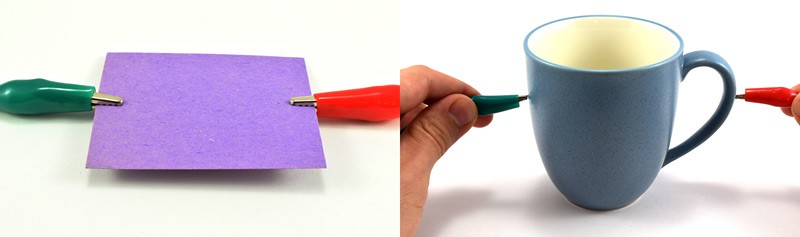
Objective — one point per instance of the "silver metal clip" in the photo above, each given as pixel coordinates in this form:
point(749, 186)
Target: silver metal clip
point(308, 101)
point(105, 100)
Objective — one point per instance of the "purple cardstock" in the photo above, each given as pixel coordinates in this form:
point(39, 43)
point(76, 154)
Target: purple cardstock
point(204, 111)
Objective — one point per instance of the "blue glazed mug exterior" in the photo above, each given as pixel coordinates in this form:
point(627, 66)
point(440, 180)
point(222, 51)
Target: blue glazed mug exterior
point(603, 130)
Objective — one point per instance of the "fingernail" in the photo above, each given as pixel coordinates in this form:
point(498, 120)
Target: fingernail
point(796, 106)
point(462, 112)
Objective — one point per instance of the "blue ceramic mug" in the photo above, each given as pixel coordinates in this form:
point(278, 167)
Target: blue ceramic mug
point(603, 91)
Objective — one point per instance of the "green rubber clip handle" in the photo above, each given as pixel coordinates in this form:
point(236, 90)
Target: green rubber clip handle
point(40, 96)
point(490, 104)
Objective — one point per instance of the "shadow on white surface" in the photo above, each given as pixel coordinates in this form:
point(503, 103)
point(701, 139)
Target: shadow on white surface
point(20, 119)
point(290, 180)
point(669, 202)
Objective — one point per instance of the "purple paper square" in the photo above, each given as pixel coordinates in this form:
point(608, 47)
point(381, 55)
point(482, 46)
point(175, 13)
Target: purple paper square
point(204, 111)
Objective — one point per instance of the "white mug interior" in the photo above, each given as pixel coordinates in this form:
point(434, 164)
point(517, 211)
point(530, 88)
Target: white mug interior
point(603, 43)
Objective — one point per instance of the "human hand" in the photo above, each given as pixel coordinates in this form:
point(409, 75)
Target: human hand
point(435, 111)
point(793, 111)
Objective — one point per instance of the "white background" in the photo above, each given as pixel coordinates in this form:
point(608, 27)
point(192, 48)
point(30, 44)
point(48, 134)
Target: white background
point(46, 191)
point(743, 181)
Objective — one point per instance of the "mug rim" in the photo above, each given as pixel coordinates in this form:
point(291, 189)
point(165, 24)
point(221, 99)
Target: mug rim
point(645, 67)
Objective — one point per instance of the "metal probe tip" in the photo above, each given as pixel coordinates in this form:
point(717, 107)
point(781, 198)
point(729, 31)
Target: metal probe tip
point(740, 96)
point(523, 97)
point(105, 100)
point(308, 101)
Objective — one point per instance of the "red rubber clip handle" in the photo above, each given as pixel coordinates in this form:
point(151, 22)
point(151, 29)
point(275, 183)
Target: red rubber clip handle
point(377, 103)
point(775, 96)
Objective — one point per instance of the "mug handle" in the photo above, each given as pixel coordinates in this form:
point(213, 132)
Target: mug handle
point(706, 59)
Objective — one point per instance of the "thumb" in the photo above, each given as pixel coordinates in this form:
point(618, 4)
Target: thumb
point(426, 139)
point(436, 128)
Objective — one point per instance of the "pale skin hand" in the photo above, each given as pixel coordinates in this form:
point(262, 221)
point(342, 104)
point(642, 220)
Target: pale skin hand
point(435, 111)
point(795, 109)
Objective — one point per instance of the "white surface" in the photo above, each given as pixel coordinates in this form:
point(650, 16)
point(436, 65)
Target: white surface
point(47, 192)
point(743, 181)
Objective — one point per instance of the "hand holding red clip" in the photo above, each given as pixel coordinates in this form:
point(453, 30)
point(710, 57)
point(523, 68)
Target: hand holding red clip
point(782, 97)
